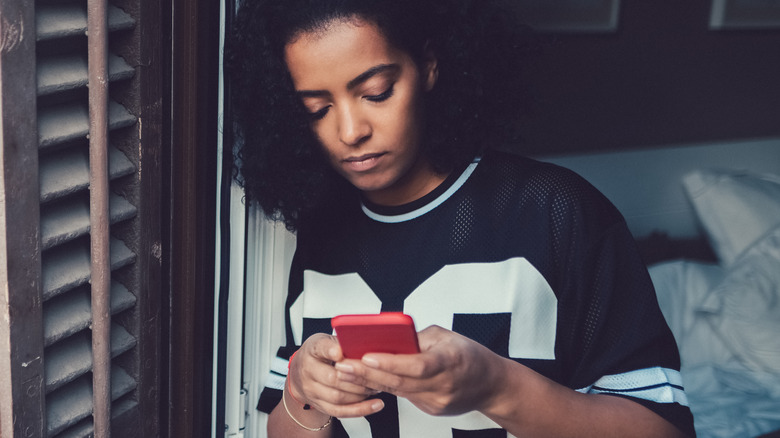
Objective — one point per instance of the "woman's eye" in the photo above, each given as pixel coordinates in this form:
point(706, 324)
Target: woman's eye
point(319, 114)
point(381, 97)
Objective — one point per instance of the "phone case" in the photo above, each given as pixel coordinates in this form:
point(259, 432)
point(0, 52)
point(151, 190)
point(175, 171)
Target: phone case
point(388, 332)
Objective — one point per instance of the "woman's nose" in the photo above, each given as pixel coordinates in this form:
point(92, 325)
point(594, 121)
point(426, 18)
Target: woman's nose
point(353, 127)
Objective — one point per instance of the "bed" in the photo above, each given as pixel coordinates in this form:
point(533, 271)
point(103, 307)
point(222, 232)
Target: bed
point(707, 221)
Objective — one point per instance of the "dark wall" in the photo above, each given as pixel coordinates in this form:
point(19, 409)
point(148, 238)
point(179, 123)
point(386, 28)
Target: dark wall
point(662, 78)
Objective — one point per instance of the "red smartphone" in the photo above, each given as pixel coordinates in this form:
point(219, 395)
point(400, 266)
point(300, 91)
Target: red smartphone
point(387, 332)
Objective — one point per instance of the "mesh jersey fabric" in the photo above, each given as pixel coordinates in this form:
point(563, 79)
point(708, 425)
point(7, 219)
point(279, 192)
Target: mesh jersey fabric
point(524, 257)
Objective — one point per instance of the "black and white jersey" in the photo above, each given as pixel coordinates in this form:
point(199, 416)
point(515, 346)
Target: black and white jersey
point(524, 257)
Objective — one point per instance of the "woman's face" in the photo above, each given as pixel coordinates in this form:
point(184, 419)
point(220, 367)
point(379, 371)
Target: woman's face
point(365, 100)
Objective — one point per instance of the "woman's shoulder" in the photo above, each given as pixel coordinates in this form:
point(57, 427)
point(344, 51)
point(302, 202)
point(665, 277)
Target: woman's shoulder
point(543, 183)
point(544, 176)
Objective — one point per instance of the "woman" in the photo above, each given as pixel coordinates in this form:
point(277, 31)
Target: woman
point(368, 128)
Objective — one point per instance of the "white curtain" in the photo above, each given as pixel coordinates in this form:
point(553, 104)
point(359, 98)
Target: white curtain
point(269, 251)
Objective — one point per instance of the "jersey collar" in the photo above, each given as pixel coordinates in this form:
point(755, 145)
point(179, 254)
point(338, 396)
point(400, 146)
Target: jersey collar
point(417, 208)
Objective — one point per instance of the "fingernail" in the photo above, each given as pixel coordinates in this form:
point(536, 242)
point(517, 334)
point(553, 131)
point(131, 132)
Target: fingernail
point(378, 405)
point(345, 368)
point(370, 362)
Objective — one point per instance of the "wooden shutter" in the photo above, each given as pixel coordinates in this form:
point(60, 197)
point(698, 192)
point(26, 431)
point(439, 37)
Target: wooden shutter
point(63, 128)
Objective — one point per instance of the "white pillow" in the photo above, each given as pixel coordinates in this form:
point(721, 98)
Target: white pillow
point(744, 309)
point(681, 287)
point(735, 208)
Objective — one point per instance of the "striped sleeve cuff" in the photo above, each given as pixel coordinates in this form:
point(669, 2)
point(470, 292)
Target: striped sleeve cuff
point(659, 385)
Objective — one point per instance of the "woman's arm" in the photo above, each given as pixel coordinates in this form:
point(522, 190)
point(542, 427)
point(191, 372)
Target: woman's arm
point(455, 375)
point(549, 409)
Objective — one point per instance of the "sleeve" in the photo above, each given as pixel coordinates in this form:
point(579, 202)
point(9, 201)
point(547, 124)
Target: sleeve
point(623, 346)
point(612, 337)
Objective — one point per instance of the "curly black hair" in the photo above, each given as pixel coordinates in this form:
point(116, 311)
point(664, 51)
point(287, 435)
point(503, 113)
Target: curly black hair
point(478, 94)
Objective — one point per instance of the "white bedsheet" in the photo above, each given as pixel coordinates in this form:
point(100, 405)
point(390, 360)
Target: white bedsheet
point(728, 400)
point(731, 401)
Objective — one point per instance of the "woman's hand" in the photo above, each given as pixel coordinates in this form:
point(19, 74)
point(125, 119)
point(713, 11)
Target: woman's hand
point(452, 374)
point(312, 380)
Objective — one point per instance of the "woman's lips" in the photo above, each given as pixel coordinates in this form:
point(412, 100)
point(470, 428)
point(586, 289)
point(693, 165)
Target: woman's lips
point(362, 163)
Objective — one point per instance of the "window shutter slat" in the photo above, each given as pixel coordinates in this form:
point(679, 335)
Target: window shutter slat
point(73, 402)
point(70, 359)
point(64, 221)
point(70, 121)
point(68, 72)
point(84, 428)
point(67, 172)
point(66, 267)
point(70, 19)
point(68, 314)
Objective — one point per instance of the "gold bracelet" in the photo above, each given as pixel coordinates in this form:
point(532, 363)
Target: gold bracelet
point(310, 429)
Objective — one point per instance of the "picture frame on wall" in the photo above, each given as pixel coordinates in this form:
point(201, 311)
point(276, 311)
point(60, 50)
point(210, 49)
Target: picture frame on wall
point(569, 16)
point(745, 14)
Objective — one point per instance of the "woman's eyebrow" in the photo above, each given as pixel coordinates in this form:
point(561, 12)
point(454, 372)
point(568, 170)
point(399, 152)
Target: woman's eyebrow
point(371, 72)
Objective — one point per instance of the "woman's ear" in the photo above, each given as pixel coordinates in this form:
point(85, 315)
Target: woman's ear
point(430, 70)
